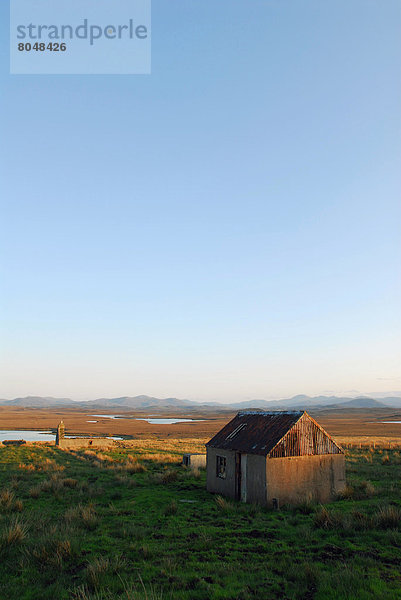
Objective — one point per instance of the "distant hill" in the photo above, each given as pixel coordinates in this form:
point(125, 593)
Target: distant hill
point(306, 402)
point(142, 402)
point(392, 401)
point(37, 402)
point(362, 403)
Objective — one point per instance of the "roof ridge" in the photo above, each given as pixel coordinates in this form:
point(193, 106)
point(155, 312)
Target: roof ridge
point(262, 412)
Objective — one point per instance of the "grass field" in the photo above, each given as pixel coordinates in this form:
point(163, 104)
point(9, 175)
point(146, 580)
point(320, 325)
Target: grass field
point(134, 524)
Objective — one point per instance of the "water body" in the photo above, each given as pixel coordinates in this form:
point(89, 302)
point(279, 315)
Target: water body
point(88, 437)
point(169, 421)
point(390, 421)
point(110, 416)
point(29, 436)
point(155, 421)
point(37, 436)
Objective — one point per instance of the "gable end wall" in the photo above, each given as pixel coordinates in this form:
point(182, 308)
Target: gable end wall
point(305, 438)
point(293, 480)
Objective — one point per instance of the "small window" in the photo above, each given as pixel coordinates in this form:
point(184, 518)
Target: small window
point(221, 467)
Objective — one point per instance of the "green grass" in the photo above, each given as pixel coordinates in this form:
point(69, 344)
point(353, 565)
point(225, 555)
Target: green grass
point(113, 525)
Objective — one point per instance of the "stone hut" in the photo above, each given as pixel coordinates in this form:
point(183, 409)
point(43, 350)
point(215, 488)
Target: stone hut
point(275, 458)
point(194, 461)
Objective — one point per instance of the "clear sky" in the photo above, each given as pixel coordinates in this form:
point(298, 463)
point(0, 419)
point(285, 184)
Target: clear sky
point(226, 228)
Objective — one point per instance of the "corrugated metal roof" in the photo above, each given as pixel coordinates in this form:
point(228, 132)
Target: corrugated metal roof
point(254, 432)
point(279, 434)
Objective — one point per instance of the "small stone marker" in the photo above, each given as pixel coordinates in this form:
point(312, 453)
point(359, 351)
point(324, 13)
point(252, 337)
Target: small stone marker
point(60, 432)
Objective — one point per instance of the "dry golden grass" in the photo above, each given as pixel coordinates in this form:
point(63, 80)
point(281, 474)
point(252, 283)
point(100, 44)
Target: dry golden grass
point(82, 515)
point(52, 553)
point(130, 464)
point(29, 467)
point(15, 532)
point(35, 491)
point(9, 503)
point(369, 442)
point(48, 465)
point(162, 457)
point(6, 499)
point(166, 445)
point(388, 517)
point(223, 504)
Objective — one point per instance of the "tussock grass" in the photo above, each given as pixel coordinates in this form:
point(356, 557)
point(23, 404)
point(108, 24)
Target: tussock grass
point(224, 505)
point(46, 465)
point(171, 509)
point(96, 569)
point(9, 503)
point(50, 465)
point(129, 591)
point(27, 467)
point(18, 505)
point(306, 507)
point(54, 485)
point(388, 517)
point(51, 553)
point(327, 519)
point(83, 593)
point(196, 473)
point(358, 490)
point(169, 476)
point(35, 491)
point(7, 498)
point(160, 458)
point(361, 520)
point(107, 462)
point(165, 477)
point(15, 532)
point(81, 515)
point(69, 482)
point(123, 480)
point(132, 467)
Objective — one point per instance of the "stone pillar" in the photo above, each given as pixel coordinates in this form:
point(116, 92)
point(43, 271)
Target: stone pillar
point(60, 432)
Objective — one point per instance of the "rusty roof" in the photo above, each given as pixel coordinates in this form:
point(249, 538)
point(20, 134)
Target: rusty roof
point(255, 432)
point(277, 434)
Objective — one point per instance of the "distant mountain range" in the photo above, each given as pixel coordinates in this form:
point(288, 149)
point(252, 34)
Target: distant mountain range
point(149, 403)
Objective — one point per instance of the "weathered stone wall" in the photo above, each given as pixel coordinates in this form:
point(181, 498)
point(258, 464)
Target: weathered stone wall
point(289, 480)
point(75, 443)
point(296, 479)
point(225, 487)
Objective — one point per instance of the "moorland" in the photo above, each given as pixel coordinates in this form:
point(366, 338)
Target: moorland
point(132, 523)
point(358, 424)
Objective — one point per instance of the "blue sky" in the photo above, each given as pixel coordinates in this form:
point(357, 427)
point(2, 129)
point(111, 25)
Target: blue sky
point(227, 227)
